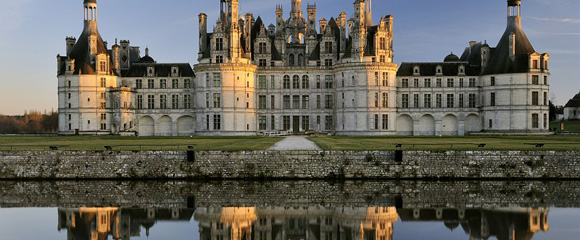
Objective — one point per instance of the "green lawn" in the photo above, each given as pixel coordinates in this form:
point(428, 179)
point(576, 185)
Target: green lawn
point(558, 143)
point(137, 143)
point(569, 126)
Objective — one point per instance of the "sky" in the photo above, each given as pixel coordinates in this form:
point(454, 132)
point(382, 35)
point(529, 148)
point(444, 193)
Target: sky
point(33, 32)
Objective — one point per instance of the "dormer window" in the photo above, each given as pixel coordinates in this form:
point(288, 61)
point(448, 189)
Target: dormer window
point(150, 71)
point(416, 70)
point(439, 70)
point(461, 69)
point(174, 71)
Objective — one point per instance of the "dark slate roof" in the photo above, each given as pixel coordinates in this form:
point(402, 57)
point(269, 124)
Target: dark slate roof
point(147, 59)
point(207, 50)
point(348, 50)
point(275, 54)
point(316, 53)
point(472, 54)
point(336, 30)
point(90, 1)
point(500, 61)
point(80, 51)
point(574, 102)
point(370, 47)
point(161, 69)
point(254, 34)
point(430, 69)
point(451, 58)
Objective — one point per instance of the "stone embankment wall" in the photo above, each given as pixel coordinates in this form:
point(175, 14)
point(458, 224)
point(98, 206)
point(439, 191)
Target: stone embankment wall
point(290, 165)
point(191, 194)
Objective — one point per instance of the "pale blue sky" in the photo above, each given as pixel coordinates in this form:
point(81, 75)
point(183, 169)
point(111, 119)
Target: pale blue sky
point(32, 33)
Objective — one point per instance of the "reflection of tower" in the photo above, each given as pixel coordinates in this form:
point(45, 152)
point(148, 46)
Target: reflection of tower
point(231, 223)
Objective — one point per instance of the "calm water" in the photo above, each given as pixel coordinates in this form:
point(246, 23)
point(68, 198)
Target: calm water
point(288, 210)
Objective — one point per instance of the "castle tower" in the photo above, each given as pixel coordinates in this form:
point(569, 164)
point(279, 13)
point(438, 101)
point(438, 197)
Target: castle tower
point(202, 34)
point(311, 20)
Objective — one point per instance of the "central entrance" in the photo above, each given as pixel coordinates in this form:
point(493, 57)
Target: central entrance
point(296, 124)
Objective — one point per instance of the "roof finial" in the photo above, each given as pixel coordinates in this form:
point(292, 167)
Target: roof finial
point(146, 51)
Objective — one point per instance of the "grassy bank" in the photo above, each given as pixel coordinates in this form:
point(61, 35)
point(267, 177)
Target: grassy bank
point(557, 143)
point(569, 126)
point(90, 143)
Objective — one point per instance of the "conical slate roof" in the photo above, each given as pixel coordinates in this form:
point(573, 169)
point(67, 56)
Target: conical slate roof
point(500, 61)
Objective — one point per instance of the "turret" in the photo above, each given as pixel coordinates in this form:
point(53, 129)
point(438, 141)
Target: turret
point(311, 19)
point(359, 12)
point(279, 17)
point(296, 8)
point(70, 43)
point(116, 57)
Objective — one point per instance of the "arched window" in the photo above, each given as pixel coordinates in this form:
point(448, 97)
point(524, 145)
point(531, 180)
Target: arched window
point(301, 38)
point(291, 60)
point(286, 82)
point(305, 82)
point(296, 82)
point(300, 60)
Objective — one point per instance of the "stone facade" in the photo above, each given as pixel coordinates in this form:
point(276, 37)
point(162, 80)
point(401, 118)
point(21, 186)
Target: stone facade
point(252, 79)
point(291, 165)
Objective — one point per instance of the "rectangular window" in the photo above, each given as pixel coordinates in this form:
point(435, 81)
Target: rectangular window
point(305, 82)
point(102, 66)
point(286, 82)
point(151, 83)
point(207, 101)
point(427, 101)
point(187, 101)
point(296, 82)
point(535, 121)
point(262, 123)
point(272, 102)
point(286, 102)
point(535, 100)
point(103, 126)
point(262, 102)
point(385, 79)
point(461, 82)
point(219, 44)
point(318, 81)
point(328, 122)
point(416, 100)
point(272, 82)
point(438, 101)
point(150, 102)
point(217, 122)
point(439, 84)
point(296, 102)
point(272, 122)
point(262, 63)
point(405, 101)
point(286, 123)
point(376, 100)
point(262, 82)
point(385, 100)
point(461, 100)
point(305, 102)
point(545, 121)
point(383, 44)
point(450, 82)
point(376, 79)
point(385, 121)
point(175, 101)
point(262, 48)
point(162, 83)
point(376, 122)
point(103, 82)
point(327, 62)
point(545, 99)
point(328, 102)
point(405, 83)
point(328, 80)
point(472, 100)
point(492, 81)
point(163, 102)
point(207, 122)
point(139, 102)
point(187, 83)
point(545, 80)
point(175, 83)
point(472, 82)
point(535, 79)
point(103, 117)
point(139, 84)
point(217, 79)
point(305, 123)
point(328, 47)
point(217, 100)
point(492, 99)
point(490, 123)
point(427, 83)
point(317, 101)
point(416, 83)
point(535, 64)
point(207, 80)
point(450, 100)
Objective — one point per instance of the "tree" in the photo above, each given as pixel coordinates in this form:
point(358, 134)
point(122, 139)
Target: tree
point(553, 112)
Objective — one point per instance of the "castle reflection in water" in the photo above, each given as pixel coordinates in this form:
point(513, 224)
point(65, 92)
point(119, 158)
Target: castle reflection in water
point(300, 223)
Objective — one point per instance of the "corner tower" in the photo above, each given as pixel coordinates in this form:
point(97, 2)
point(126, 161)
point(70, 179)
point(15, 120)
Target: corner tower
point(84, 76)
point(515, 81)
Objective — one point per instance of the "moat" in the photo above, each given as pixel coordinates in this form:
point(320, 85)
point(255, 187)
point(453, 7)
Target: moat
point(271, 210)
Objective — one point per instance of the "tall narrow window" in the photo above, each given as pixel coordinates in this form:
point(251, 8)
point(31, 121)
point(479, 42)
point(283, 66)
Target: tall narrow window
point(461, 101)
point(262, 102)
point(416, 100)
point(405, 101)
point(385, 100)
point(187, 101)
point(328, 47)
point(450, 100)
point(328, 81)
point(385, 79)
point(492, 99)
point(535, 121)
point(385, 121)
point(217, 122)
point(175, 101)
point(305, 102)
point(217, 100)
point(150, 102)
point(286, 82)
point(217, 79)
point(535, 100)
point(328, 102)
point(262, 48)
point(427, 101)
point(175, 83)
point(305, 82)
point(535, 80)
point(296, 82)
point(219, 44)
point(163, 102)
point(151, 83)
point(438, 101)
point(471, 100)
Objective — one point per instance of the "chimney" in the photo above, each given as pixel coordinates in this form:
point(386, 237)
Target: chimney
point(70, 43)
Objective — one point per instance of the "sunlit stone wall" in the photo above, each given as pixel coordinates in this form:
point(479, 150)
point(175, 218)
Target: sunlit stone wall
point(290, 165)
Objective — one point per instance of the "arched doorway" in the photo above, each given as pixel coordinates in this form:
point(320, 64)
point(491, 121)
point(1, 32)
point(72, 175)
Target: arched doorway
point(405, 125)
point(185, 126)
point(165, 128)
point(450, 126)
point(472, 124)
point(146, 126)
point(427, 126)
